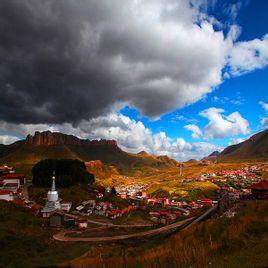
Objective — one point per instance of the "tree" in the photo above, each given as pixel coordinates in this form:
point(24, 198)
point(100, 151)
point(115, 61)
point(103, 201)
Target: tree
point(68, 172)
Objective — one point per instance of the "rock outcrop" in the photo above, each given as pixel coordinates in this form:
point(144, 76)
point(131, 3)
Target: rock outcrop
point(56, 138)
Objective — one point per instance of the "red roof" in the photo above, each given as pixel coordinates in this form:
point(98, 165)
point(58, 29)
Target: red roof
point(13, 176)
point(115, 211)
point(4, 192)
point(11, 184)
point(205, 200)
point(262, 185)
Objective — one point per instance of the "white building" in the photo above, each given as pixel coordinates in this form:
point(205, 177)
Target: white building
point(53, 202)
point(66, 206)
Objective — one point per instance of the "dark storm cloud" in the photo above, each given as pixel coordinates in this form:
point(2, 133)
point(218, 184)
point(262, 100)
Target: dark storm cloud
point(66, 60)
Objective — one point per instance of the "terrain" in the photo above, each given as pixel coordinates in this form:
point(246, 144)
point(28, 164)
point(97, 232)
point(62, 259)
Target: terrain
point(113, 166)
point(220, 243)
point(254, 148)
point(25, 153)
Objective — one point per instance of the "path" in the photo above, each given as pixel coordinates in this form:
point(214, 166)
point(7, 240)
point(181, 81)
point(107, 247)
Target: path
point(62, 235)
point(107, 224)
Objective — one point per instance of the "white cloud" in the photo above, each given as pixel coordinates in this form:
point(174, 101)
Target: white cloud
point(264, 121)
point(156, 55)
point(221, 126)
point(7, 139)
point(236, 141)
point(196, 131)
point(247, 56)
point(131, 136)
point(264, 105)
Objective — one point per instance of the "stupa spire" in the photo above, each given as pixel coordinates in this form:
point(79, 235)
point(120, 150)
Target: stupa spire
point(53, 186)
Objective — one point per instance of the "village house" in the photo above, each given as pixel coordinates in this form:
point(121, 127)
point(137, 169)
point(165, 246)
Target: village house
point(260, 190)
point(66, 206)
point(56, 219)
point(12, 181)
point(82, 224)
point(6, 169)
point(6, 195)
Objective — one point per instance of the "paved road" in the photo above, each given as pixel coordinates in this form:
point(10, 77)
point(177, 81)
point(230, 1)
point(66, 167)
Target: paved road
point(62, 235)
point(203, 216)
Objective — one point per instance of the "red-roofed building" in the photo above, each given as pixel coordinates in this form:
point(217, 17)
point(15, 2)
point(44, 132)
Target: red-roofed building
point(6, 195)
point(12, 181)
point(260, 190)
point(206, 201)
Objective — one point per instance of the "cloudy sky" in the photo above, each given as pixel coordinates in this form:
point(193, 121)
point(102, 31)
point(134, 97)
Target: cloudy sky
point(176, 77)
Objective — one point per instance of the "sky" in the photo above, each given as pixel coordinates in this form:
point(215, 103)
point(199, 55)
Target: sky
point(172, 77)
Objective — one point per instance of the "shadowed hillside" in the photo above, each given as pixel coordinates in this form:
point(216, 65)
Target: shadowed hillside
point(44, 145)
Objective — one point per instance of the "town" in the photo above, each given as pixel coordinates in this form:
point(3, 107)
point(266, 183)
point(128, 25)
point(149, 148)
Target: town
point(104, 208)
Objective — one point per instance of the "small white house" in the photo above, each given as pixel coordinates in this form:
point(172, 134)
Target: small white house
point(66, 206)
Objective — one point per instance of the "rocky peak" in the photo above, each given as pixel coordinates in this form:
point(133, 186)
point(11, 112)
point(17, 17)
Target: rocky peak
point(57, 138)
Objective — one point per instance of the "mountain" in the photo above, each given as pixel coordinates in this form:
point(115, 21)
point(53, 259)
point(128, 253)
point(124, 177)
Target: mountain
point(41, 145)
point(212, 156)
point(255, 148)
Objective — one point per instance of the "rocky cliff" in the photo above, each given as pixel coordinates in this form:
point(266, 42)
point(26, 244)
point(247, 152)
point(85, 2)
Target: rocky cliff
point(56, 138)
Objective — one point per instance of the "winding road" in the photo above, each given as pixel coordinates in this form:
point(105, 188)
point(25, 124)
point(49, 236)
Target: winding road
point(62, 235)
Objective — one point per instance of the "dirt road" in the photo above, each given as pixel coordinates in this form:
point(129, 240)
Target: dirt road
point(165, 229)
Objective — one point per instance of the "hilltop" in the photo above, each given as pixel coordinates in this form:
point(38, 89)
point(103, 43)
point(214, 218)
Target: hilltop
point(25, 153)
point(254, 148)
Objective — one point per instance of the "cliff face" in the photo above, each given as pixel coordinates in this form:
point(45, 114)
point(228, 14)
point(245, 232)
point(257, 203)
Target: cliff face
point(55, 138)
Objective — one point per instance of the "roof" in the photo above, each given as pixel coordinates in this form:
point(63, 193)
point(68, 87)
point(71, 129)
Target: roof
point(262, 185)
point(12, 176)
point(4, 192)
point(11, 184)
point(205, 200)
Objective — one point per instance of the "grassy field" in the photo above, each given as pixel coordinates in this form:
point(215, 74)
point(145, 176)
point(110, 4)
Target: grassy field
point(25, 243)
point(241, 241)
point(160, 182)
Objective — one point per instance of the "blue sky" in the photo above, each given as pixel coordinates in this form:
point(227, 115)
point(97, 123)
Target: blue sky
point(242, 93)
point(176, 77)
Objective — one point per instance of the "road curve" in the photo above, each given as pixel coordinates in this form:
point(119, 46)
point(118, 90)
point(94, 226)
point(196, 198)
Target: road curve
point(109, 224)
point(62, 235)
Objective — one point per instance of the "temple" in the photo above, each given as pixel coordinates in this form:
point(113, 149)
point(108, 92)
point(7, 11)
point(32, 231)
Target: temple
point(53, 202)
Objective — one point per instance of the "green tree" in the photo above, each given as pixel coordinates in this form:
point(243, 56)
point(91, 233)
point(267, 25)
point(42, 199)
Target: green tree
point(68, 172)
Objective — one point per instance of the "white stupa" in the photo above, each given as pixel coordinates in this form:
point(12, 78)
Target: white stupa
point(53, 202)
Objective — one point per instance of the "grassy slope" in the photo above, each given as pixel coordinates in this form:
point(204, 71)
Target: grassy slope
point(25, 243)
point(241, 241)
point(256, 147)
point(24, 156)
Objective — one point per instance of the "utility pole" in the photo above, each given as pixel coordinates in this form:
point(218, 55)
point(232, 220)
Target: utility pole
point(180, 169)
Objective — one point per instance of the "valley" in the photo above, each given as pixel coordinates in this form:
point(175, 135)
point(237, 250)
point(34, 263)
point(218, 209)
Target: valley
point(134, 198)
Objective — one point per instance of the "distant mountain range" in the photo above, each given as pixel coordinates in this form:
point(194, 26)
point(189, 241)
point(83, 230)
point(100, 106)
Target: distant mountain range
point(41, 145)
point(57, 145)
point(254, 148)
